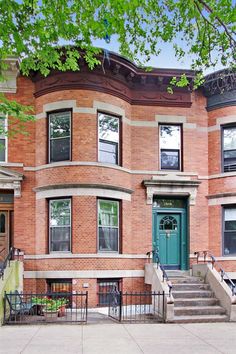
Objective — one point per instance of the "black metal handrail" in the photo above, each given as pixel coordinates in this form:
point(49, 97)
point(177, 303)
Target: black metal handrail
point(7, 259)
point(155, 255)
point(214, 262)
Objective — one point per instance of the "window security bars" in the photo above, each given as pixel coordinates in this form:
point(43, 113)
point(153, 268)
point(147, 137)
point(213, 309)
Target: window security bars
point(136, 307)
point(25, 308)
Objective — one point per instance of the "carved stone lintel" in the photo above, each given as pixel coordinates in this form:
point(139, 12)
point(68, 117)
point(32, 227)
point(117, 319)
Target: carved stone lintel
point(175, 186)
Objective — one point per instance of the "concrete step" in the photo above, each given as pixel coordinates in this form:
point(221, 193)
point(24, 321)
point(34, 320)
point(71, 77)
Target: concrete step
point(199, 310)
point(186, 280)
point(191, 294)
point(207, 301)
point(191, 286)
point(201, 318)
point(177, 273)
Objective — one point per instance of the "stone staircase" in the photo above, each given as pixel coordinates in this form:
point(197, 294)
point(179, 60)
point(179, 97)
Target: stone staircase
point(194, 300)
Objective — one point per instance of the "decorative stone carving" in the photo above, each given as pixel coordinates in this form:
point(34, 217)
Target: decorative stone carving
point(172, 186)
point(10, 75)
point(11, 180)
point(122, 79)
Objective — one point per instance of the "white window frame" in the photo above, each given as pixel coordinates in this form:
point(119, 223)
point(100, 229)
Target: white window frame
point(49, 138)
point(180, 148)
point(49, 226)
point(224, 208)
point(223, 128)
point(5, 137)
point(117, 227)
point(119, 138)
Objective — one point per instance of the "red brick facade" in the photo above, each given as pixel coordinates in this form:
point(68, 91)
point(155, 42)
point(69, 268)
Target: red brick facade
point(84, 180)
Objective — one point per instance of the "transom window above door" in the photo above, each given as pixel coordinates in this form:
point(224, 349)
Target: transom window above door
point(109, 139)
point(59, 136)
point(170, 147)
point(229, 148)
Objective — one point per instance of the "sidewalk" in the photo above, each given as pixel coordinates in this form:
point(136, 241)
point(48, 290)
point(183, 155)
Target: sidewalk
point(103, 337)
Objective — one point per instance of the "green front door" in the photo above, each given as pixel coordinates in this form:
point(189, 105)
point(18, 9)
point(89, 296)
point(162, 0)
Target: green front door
point(167, 239)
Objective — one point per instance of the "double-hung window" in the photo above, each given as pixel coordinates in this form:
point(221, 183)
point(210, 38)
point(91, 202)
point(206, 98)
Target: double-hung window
point(3, 139)
point(108, 225)
point(59, 136)
point(170, 147)
point(229, 148)
point(109, 139)
point(60, 225)
point(229, 231)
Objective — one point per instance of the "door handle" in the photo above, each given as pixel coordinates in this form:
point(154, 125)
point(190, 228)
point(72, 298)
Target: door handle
point(167, 234)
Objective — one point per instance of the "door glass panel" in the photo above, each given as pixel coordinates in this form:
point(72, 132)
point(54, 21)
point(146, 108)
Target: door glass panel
point(2, 223)
point(168, 223)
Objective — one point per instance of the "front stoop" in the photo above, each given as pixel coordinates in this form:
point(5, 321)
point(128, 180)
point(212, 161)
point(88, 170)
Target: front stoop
point(195, 302)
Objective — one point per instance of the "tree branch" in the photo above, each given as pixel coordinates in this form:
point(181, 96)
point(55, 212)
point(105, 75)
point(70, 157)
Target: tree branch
point(209, 9)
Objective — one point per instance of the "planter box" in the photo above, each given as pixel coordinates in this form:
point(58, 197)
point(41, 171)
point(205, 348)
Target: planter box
point(50, 315)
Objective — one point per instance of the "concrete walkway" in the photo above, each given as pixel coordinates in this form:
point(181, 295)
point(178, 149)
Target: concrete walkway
point(112, 338)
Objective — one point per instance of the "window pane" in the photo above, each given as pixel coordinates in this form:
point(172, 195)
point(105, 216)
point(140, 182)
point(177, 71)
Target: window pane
point(108, 239)
point(59, 149)
point(60, 238)
point(229, 138)
point(60, 212)
point(170, 159)
point(2, 150)
point(108, 213)
point(229, 160)
point(170, 137)
point(230, 214)
point(108, 152)
point(59, 124)
point(108, 128)
point(229, 243)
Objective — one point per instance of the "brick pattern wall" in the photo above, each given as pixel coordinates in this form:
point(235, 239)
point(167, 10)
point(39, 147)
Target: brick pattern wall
point(140, 151)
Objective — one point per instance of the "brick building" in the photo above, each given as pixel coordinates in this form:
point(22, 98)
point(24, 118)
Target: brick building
point(113, 167)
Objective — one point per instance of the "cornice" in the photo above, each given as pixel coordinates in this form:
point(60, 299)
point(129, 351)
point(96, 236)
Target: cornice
point(121, 78)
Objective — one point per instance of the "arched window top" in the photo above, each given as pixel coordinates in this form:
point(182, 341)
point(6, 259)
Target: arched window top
point(168, 223)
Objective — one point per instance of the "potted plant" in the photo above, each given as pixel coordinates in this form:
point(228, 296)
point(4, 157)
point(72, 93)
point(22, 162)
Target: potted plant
point(51, 310)
point(62, 303)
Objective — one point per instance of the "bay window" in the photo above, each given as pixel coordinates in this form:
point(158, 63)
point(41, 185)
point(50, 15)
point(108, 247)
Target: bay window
point(109, 139)
point(170, 147)
point(59, 136)
point(60, 225)
point(229, 148)
point(108, 226)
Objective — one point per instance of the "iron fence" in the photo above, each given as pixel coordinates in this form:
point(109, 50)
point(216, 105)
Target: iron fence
point(137, 307)
point(25, 308)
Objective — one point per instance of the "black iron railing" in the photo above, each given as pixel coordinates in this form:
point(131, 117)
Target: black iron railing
point(208, 257)
point(6, 258)
point(136, 307)
point(156, 259)
point(25, 308)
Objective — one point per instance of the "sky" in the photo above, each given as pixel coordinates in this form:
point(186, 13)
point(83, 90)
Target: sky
point(166, 59)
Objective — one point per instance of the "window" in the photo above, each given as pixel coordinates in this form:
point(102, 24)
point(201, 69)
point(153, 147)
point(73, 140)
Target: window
point(60, 225)
point(170, 147)
point(108, 225)
point(105, 286)
point(61, 288)
point(109, 137)
point(3, 139)
point(59, 136)
point(229, 149)
point(229, 230)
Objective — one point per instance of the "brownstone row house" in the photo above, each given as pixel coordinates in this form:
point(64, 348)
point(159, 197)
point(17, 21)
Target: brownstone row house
point(113, 167)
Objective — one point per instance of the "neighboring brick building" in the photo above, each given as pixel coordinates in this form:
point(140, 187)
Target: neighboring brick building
point(113, 167)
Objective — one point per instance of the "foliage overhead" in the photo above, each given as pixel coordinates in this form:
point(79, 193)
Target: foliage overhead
point(33, 30)
point(36, 30)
